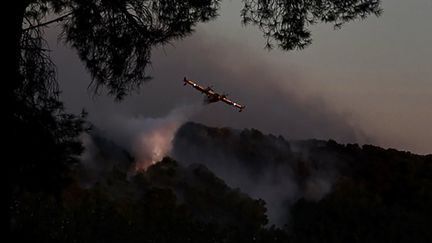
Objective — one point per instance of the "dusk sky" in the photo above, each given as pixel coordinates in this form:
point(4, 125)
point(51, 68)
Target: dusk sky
point(369, 82)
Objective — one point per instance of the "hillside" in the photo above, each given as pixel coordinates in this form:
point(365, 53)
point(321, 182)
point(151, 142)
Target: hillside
point(226, 185)
point(339, 193)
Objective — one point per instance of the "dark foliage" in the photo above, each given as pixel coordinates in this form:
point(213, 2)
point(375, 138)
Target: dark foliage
point(287, 21)
point(44, 138)
point(168, 203)
point(256, 154)
point(382, 196)
point(115, 38)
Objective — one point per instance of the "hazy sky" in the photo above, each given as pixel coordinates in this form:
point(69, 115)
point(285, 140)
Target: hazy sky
point(370, 81)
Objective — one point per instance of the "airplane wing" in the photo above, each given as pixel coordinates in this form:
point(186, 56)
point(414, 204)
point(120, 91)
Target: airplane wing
point(195, 85)
point(230, 102)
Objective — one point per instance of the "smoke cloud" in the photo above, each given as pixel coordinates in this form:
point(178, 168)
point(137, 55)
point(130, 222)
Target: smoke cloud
point(147, 140)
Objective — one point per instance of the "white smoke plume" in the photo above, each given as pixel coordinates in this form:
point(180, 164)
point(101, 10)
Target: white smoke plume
point(147, 139)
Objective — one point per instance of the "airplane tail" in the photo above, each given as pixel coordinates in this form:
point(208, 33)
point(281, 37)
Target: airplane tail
point(185, 81)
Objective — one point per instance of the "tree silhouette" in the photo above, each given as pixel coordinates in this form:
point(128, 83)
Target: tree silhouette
point(287, 22)
point(115, 38)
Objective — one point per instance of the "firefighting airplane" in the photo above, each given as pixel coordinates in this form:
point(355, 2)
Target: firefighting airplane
point(212, 96)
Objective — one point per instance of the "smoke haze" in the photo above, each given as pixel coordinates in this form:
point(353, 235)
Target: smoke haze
point(263, 166)
point(146, 139)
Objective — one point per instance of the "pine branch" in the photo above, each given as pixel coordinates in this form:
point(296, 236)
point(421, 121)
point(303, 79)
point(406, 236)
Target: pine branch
point(48, 22)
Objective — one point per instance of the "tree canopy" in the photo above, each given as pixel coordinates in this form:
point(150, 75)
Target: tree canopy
point(114, 38)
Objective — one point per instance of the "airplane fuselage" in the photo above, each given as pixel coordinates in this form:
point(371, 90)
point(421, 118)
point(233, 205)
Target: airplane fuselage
point(212, 96)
